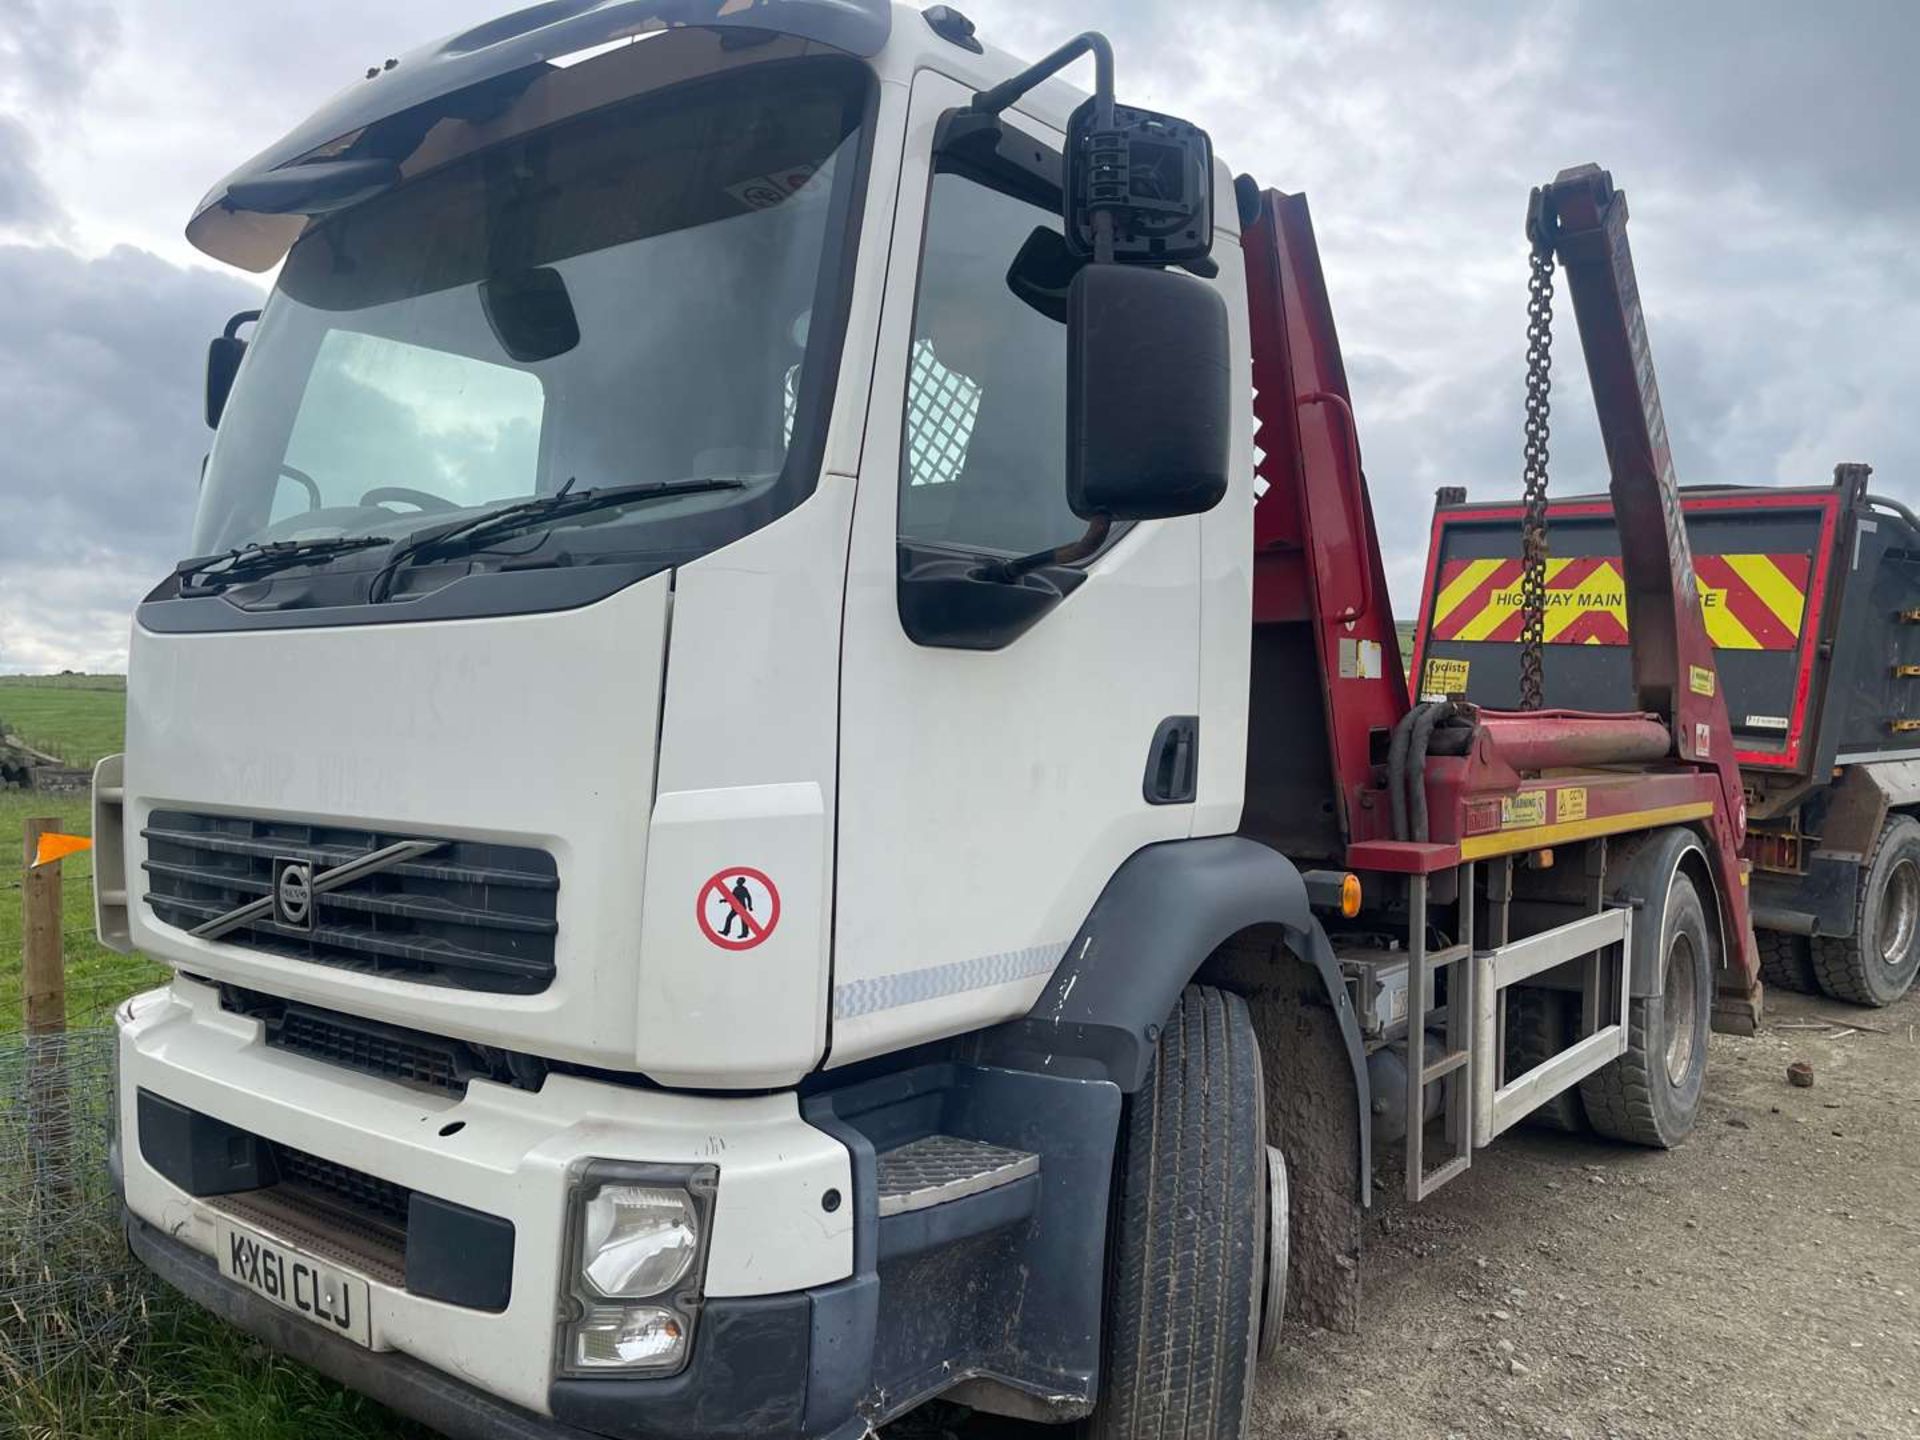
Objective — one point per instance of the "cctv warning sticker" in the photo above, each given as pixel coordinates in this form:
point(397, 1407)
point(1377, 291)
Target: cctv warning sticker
point(738, 908)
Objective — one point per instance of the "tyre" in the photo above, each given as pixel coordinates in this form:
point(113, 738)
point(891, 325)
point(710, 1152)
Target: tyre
point(1184, 1288)
point(1650, 1095)
point(1875, 965)
point(1540, 1024)
point(1787, 961)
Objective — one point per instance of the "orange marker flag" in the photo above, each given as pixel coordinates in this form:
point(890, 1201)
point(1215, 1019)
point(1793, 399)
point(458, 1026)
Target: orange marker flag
point(54, 847)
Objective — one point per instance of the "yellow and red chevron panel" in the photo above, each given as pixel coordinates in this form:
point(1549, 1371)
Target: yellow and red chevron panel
point(1751, 602)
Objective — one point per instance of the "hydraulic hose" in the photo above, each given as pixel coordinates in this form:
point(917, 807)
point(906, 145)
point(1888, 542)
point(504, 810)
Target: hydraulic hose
point(1425, 719)
point(1397, 771)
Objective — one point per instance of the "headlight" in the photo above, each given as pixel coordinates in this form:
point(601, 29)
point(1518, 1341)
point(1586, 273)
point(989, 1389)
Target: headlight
point(637, 1233)
point(615, 1338)
point(638, 1240)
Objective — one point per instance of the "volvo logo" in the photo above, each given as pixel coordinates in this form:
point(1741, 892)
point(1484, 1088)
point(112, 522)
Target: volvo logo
point(293, 894)
point(289, 903)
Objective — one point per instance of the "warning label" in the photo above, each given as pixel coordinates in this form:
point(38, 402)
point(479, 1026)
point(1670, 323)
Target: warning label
point(1443, 679)
point(738, 908)
point(1570, 804)
point(1749, 602)
point(1523, 811)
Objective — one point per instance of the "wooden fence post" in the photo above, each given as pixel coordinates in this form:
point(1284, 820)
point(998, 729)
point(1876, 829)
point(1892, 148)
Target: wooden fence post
point(43, 971)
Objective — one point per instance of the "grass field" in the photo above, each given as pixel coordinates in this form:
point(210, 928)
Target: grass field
point(77, 717)
point(179, 1374)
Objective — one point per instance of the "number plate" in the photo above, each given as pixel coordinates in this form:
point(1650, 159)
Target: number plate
point(327, 1296)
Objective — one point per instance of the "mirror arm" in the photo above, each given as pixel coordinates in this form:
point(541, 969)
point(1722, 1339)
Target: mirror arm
point(245, 317)
point(992, 102)
point(1074, 551)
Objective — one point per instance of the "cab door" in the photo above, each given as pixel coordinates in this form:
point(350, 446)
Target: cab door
point(1003, 748)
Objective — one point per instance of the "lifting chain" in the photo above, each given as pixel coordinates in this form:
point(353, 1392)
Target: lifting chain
point(1533, 528)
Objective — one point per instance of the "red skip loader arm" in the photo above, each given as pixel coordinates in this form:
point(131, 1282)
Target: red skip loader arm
point(1582, 219)
point(1322, 620)
point(1327, 686)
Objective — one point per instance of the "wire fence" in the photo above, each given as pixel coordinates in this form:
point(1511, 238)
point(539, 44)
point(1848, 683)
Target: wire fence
point(69, 1294)
point(94, 987)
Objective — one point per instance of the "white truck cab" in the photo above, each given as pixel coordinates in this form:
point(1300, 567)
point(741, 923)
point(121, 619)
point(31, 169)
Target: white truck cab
point(696, 786)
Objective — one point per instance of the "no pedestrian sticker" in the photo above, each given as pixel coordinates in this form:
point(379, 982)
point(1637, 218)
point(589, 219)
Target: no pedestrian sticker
point(738, 908)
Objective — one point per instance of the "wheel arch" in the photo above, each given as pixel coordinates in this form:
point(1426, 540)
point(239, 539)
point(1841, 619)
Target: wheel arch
point(1166, 912)
point(1643, 869)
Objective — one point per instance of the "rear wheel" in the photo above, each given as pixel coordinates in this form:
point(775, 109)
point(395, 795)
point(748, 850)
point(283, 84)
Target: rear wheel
point(1540, 1024)
point(1787, 961)
point(1184, 1292)
point(1651, 1094)
point(1875, 965)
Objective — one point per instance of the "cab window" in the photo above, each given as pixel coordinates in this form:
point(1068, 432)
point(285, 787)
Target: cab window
point(984, 456)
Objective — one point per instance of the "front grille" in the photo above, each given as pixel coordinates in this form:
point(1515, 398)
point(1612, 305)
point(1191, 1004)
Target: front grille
point(362, 1196)
point(412, 1057)
point(434, 1248)
point(373, 1049)
point(471, 915)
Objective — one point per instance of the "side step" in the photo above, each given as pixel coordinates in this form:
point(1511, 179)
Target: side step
point(1478, 1100)
point(938, 1168)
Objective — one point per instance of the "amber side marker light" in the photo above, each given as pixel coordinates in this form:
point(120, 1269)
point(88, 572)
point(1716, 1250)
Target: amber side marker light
point(1334, 890)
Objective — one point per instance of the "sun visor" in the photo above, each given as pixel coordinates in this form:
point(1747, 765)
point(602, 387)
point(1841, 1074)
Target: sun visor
point(400, 111)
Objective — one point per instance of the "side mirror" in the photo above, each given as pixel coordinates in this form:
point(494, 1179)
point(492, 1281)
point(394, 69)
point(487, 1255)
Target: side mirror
point(1152, 173)
point(1042, 273)
point(224, 355)
point(1149, 411)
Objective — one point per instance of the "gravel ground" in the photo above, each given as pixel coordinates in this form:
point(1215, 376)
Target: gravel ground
point(1760, 1282)
point(1763, 1280)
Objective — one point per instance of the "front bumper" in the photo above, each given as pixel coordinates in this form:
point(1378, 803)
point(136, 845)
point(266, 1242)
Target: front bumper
point(780, 1252)
point(748, 1376)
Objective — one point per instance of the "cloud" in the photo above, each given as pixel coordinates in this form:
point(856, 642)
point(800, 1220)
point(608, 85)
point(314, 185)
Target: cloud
point(1770, 152)
point(27, 206)
point(100, 400)
point(1769, 149)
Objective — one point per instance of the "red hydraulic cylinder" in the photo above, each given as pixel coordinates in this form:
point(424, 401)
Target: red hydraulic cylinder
point(1552, 739)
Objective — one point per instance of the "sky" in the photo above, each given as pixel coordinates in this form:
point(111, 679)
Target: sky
point(1771, 149)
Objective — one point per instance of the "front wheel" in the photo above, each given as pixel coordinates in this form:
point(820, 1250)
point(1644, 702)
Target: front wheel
point(1184, 1289)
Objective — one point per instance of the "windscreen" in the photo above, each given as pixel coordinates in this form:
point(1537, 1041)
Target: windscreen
point(627, 298)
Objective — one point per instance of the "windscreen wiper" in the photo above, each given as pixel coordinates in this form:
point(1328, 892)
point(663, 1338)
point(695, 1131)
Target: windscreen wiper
point(251, 561)
point(466, 535)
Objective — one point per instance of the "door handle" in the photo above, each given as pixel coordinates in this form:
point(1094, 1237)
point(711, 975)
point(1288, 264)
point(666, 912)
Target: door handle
point(1173, 762)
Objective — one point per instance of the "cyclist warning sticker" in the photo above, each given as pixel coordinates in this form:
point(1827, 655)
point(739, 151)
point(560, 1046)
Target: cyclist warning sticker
point(738, 908)
point(1443, 679)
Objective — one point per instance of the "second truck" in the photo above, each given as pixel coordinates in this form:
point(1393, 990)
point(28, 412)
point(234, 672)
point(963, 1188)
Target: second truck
point(780, 782)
